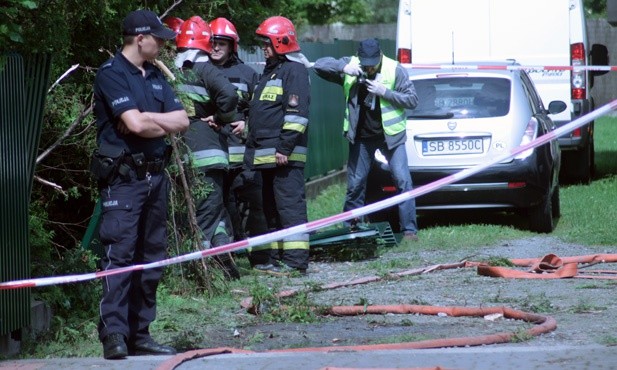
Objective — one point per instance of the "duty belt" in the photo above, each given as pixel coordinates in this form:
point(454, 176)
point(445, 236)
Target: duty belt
point(138, 163)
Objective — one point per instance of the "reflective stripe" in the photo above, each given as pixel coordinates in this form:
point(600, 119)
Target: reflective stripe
point(264, 160)
point(276, 245)
point(197, 93)
point(239, 149)
point(393, 119)
point(241, 86)
point(295, 123)
point(207, 162)
point(236, 154)
point(295, 245)
point(264, 152)
point(267, 156)
point(396, 118)
point(304, 237)
point(209, 157)
point(295, 157)
point(201, 154)
point(286, 244)
point(276, 82)
point(300, 150)
point(294, 127)
point(272, 89)
point(220, 228)
point(294, 118)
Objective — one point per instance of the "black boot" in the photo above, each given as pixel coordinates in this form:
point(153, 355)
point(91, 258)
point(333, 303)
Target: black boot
point(114, 347)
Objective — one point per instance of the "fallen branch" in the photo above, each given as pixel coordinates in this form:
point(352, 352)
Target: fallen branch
point(66, 133)
point(73, 67)
point(175, 4)
point(49, 183)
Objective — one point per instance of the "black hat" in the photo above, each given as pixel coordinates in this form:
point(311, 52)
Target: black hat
point(369, 52)
point(146, 22)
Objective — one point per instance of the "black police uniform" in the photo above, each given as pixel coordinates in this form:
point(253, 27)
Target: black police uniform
point(133, 227)
point(278, 123)
point(211, 95)
point(242, 186)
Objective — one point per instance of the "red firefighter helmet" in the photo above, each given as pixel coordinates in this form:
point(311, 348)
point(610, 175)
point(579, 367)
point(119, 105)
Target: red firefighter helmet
point(194, 34)
point(174, 23)
point(224, 29)
point(281, 33)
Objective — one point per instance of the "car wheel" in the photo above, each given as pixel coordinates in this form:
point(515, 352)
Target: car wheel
point(541, 218)
point(579, 165)
point(389, 215)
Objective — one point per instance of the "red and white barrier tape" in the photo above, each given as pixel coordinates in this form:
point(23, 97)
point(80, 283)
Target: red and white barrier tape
point(324, 222)
point(510, 67)
point(479, 67)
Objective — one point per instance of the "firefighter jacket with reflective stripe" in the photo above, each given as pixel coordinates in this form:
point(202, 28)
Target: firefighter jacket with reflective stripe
point(279, 115)
point(400, 94)
point(211, 95)
point(244, 78)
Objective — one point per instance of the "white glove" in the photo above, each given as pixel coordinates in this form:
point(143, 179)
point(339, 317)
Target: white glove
point(376, 87)
point(352, 69)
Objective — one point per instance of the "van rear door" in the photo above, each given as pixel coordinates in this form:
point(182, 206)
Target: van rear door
point(533, 32)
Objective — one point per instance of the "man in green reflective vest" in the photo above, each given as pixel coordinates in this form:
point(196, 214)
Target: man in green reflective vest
point(377, 91)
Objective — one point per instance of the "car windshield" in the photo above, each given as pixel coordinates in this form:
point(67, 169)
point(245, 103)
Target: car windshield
point(461, 97)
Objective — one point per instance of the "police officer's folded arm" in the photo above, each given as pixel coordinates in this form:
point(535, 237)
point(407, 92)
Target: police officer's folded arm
point(172, 122)
point(152, 125)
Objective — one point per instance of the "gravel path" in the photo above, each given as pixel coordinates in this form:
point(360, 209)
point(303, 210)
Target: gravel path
point(585, 310)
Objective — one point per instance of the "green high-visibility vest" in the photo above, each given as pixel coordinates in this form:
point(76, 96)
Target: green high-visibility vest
point(393, 119)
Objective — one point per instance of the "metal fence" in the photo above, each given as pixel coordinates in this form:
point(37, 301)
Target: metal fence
point(23, 84)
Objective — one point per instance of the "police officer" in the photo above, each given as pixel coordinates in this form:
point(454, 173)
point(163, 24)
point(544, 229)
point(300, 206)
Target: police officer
point(135, 109)
point(214, 101)
point(242, 186)
point(277, 143)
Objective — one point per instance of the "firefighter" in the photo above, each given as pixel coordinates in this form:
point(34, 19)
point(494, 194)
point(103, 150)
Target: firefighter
point(174, 23)
point(277, 144)
point(242, 186)
point(135, 109)
point(214, 101)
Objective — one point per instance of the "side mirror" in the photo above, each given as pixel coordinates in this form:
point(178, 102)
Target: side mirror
point(556, 106)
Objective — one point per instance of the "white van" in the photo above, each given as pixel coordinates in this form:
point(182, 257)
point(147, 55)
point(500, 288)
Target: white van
point(531, 32)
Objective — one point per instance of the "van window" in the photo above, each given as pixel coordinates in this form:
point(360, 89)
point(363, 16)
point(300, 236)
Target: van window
point(457, 97)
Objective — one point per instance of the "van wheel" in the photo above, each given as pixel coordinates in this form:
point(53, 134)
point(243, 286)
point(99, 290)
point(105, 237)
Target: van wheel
point(580, 165)
point(541, 218)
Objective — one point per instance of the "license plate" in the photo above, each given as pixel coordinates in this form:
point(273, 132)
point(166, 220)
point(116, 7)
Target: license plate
point(453, 146)
point(453, 102)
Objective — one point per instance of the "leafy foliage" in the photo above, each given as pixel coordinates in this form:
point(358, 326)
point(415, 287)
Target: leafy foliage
point(595, 7)
point(10, 28)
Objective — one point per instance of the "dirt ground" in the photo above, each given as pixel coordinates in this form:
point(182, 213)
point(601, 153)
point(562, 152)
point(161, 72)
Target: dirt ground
point(585, 310)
